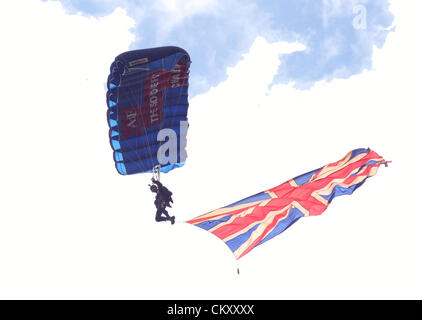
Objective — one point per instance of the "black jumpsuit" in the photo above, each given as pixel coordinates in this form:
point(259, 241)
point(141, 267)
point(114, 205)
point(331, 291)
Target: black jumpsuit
point(162, 200)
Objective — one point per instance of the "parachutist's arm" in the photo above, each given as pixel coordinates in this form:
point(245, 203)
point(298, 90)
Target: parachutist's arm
point(158, 183)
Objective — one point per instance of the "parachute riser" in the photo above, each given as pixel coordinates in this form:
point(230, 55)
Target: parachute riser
point(156, 172)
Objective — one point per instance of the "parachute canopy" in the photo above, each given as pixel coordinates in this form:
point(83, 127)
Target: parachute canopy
point(252, 221)
point(147, 101)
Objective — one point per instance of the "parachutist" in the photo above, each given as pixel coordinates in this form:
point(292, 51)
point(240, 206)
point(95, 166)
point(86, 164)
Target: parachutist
point(163, 200)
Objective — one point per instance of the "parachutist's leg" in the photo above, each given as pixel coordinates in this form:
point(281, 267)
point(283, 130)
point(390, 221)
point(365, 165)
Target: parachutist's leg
point(168, 217)
point(166, 214)
point(158, 216)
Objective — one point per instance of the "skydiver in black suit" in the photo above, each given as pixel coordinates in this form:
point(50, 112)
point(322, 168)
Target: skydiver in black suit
point(163, 200)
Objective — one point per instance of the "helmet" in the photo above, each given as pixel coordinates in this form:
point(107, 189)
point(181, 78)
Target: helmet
point(153, 188)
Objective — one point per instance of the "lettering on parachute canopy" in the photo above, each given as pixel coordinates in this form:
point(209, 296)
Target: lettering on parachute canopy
point(137, 62)
point(167, 153)
point(150, 113)
point(153, 99)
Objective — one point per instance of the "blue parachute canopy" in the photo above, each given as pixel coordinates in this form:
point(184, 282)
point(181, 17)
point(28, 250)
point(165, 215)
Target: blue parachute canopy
point(147, 101)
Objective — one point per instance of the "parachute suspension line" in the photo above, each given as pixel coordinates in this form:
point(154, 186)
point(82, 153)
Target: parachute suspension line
point(156, 172)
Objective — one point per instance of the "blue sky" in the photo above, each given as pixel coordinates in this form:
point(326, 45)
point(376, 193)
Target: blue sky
point(216, 33)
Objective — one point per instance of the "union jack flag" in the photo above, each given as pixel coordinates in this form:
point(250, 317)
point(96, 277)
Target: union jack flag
point(250, 222)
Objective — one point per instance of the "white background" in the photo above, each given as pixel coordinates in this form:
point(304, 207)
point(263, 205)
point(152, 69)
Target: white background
point(72, 227)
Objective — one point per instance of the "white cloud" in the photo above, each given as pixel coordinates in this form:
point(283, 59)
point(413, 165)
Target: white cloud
point(54, 130)
point(253, 74)
point(173, 12)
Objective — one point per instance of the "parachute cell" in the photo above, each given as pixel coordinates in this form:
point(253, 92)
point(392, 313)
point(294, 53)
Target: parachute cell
point(148, 92)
